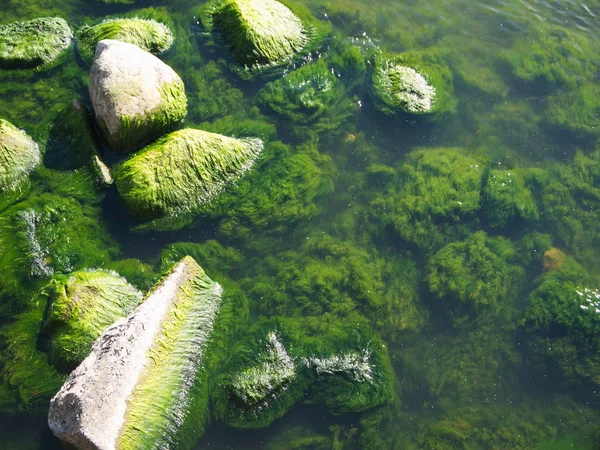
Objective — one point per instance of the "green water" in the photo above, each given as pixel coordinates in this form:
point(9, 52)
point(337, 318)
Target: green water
point(359, 214)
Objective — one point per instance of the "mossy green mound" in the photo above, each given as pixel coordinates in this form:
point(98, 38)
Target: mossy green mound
point(433, 198)
point(260, 32)
point(344, 368)
point(506, 198)
point(19, 155)
point(474, 276)
point(311, 96)
point(33, 44)
point(563, 324)
point(149, 35)
point(73, 144)
point(417, 83)
point(81, 306)
point(182, 172)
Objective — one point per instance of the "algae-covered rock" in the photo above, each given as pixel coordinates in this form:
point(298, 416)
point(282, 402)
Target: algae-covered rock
point(82, 305)
point(260, 32)
point(182, 172)
point(144, 384)
point(73, 144)
point(136, 96)
point(416, 83)
point(434, 197)
point(563, 324)
point(343, 367)
point(506, 198)
point(19, 155)
point(33, 44)
point(149, 35)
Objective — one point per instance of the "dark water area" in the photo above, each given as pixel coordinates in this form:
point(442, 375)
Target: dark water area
point(466, 240)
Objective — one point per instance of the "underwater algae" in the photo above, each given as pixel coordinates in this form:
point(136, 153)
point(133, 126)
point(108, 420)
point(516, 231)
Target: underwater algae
point(452, 252)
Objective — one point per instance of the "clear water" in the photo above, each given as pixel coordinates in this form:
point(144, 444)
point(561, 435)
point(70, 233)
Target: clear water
point(463, 387)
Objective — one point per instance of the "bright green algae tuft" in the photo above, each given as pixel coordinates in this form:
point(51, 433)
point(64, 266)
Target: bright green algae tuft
point(33, 44)
point(19, 155)
point(182, 172)
point(149, 35)
point(82, 305)
point(260, 32)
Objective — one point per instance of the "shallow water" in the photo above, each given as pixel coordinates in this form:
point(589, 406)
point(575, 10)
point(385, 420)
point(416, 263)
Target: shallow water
point(463, 380)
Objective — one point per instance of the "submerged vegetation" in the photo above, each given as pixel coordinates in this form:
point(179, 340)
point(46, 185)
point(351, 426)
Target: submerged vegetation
point(401, 203)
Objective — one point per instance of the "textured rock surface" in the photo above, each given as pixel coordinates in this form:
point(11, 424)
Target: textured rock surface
point(19, 155)
point(260, 32)
point(38, 42)
point(136, 96)
point(149, 35)
point(183, 171)
point(135, 389)
point(84, 303)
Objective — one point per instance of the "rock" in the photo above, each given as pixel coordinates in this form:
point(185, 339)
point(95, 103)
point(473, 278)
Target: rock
point(72, 144)
point(149, 35)
point(183, 171)
point(33, 44)
point(19, 155)
point(144, 383)
point(136, 96)
point(260, 32)
point(82, 305)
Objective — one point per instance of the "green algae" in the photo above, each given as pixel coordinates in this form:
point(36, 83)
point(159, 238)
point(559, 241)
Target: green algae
point(148, 34)
point(417, 83)
point(37, 43)
point(436, 195)
point(19, 155)
point(81, 305)
point(182, 172)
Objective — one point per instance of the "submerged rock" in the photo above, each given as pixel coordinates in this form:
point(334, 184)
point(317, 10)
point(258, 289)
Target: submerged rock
point(82, 305)
point(413, 83)
point(143, 384)
point(19, 155)
point(38, 42)
point(149, 35)
point(260, 32)
point(136, 96)
point(72, 144)
point(182, 172)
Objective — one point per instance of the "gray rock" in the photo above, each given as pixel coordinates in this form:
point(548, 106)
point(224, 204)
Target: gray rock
point(136, 96)
point(19, 155)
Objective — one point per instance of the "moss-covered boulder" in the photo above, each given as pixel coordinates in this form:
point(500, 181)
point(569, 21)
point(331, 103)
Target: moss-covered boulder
point(343, 367)
point(37, 43)
point(136, 96)
point(182, 172)
point(433, 198)
point(73, 144)
point(149, 35)
point(260, 32)
point(563, 324)
point(81, 306)
point(507, 199)
point(412, 83)
point(19, 155)
point(144, 384)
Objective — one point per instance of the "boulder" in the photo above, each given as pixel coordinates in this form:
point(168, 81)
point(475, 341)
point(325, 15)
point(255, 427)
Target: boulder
point(182, 172)
point(136, 97)
point(149, 35)
point(81, 306)
point(260, 32)
point(144, 383)
point(33, 44)
point(19, 155)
